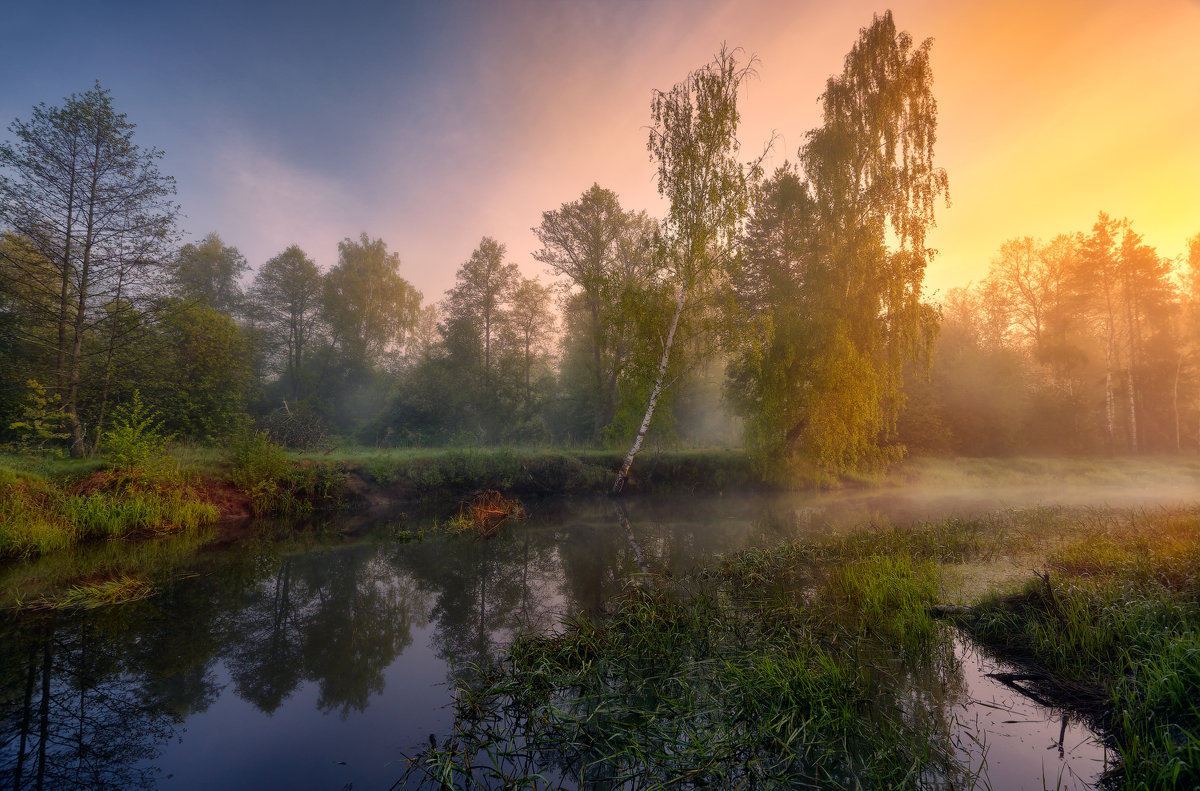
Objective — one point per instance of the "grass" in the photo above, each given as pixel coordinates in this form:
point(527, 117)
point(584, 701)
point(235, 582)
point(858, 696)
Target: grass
point(429, 472)
point(104, 593)
point(1122, 610)
point(795, 666)
point(744, 675)
point(39, 516)
point(279, 485)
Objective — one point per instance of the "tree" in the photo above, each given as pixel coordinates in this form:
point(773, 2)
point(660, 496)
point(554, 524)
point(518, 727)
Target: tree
point(853, 230)
point(94, 206)
point(694, 141)
point(286, 302)
point(605, 251)
point(210, 271)
point(1191, 295)
point(369, 307)
point(485, 284)
point(532, 322)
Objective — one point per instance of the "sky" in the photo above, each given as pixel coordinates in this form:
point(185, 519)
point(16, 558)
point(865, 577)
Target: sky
point(433, 124)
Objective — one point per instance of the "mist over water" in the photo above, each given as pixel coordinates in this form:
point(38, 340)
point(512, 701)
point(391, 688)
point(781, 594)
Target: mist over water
point(323, 660)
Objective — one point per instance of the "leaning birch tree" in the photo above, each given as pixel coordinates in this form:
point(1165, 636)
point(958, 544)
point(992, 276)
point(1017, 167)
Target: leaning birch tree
point(693, 139)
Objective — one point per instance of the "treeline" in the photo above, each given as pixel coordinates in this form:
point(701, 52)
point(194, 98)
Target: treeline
point(785, 308)
point(1086, 343)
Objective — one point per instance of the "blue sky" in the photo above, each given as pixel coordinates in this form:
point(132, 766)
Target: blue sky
point(433, 124)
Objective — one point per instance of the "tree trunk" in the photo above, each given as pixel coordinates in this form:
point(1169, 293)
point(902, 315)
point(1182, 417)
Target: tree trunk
point(1110, 406)
point(1175, 402)
point(1130, 392)
point(623, 475)
point(623, 518)
point(598, 410)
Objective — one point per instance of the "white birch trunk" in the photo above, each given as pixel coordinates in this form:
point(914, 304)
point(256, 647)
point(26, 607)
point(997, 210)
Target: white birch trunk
point(623, 474)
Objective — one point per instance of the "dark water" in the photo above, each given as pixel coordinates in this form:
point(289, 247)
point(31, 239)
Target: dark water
point(321, 661)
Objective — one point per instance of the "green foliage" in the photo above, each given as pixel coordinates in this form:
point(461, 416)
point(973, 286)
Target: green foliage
point(890, 596)
point(137, 443)
point(835, 259)
point(113, 515)
point(117, 590)
point(210, 271)
point(727, 678)
point(39, 517)
point(1120, 610)
point(366, 302)
point(275, 485)
point(42, 420)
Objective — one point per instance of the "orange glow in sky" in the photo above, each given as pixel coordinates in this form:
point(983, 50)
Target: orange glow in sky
point(1049, 112)
point(432, 125)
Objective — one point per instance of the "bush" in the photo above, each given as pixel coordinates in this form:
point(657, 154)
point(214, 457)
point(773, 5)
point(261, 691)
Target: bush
point(276, 486)
point(136, 442)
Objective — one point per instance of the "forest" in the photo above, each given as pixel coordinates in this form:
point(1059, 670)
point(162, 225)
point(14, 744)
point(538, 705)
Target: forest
point(782, 311)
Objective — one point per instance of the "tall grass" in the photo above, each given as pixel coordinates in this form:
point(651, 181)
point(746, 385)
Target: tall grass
point(732, 678)
point(1122, 610)
point(39, 516)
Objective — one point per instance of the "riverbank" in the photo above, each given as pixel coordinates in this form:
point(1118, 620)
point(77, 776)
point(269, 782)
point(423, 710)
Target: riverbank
point(814, 660)
point(48, 503)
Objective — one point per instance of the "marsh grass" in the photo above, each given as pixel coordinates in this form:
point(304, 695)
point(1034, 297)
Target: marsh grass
point(46, 577)
point(87, 596)
point(39, 516)
point(1121, 610)
point(812, 664)
point(743, 675)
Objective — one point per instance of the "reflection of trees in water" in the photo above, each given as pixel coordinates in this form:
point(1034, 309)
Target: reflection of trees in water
point(87, 700)
point(486, 592)
point(337, 618)
point(74, 715)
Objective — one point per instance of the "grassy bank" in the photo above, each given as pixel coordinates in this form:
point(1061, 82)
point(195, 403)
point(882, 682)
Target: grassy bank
point(40, 515)
point(1121, 610)
point(811, 664)
point(426, 472)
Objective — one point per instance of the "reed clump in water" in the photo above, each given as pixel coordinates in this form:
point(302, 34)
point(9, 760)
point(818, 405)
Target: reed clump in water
point(723, 679)
point(486, 513)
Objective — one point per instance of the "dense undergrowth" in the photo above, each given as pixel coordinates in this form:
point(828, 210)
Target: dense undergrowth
point(279, 486)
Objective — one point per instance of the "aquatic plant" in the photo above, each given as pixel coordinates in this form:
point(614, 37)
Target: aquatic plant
point(1121, 610)
point(485, 514)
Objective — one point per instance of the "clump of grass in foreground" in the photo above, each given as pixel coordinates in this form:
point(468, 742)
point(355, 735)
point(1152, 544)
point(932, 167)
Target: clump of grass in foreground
point(1122, 609)
point(712, 681)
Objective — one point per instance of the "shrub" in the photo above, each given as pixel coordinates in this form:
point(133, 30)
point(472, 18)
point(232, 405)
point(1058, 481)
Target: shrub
point(136, 443)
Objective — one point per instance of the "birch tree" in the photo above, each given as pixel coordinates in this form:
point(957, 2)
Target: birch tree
point(693, 139)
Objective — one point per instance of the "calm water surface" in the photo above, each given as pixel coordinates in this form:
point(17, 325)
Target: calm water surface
point(319, 662)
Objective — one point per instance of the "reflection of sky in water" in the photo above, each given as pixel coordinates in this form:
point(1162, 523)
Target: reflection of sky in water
point(1023, 745)
point(321, 667)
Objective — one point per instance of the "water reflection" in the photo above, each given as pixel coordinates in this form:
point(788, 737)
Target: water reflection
point(316, 662)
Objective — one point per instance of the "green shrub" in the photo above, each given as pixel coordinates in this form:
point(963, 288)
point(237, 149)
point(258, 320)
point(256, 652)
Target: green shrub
point(275, 485)
point(136, 444)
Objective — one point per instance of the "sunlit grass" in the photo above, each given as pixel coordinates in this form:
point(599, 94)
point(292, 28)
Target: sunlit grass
point(40, 516)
